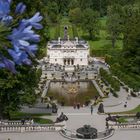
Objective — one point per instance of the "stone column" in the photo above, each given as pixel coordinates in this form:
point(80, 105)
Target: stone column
point(59, 40)
point(66, 61)
point(70, 61)
point(76, 39)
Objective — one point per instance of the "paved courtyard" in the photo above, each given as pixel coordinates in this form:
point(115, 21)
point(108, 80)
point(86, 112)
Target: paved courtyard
point(77, 118)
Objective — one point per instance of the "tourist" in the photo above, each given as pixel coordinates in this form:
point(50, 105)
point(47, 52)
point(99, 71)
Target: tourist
point(42, 100)
point(107, 125)
point(78, 106)
point(31, 121)
point(48, 106)
point(74, 105)
point(22, 121)
point(91, 109)
point(125, 105)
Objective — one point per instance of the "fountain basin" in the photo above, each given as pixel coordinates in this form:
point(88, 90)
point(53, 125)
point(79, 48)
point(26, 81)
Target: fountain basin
point(87, 132)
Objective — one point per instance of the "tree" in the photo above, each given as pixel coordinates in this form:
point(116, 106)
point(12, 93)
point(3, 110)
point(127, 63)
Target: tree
point(96, 5)
point(84, 4)
point(120, 2)
point(17, 90)
point(73, 4)
point(53, 11)
point(75, 15)
point(127, 67)
point(90, 22)
point(114, 23)
point(63, 7)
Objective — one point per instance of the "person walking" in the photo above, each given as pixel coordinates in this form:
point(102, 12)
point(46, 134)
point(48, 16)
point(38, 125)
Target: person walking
point(107, 125)
point(78, 106)
point(74, 105)
point(91, 109)
point(125, 105)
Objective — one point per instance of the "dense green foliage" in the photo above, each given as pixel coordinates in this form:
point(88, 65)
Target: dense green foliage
point(110, 80)
point(17, 90)
point(90, 22)
point(75, 16)
point(119, 29)
point(127, 67)
point(114, 23)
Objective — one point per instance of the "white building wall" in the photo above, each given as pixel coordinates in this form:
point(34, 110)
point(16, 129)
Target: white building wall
point(57, 56)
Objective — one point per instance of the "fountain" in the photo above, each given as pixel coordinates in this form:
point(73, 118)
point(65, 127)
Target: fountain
point(70, 78)
point(72, 92)
point(72, 89)
point(87, 132)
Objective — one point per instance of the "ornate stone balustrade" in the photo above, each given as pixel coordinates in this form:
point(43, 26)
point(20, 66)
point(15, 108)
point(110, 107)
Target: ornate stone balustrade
point(30, 128)
point(129, 125)
point(8, 122)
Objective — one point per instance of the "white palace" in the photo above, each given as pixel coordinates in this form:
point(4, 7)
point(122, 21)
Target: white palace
point(68, 52)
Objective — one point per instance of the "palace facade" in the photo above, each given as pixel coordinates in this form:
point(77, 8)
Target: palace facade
point(68, 52)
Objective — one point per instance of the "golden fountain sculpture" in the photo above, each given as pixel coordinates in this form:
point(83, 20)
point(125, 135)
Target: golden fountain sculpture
point(72, 89)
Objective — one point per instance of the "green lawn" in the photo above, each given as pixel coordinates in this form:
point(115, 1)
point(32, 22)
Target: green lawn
point(43, 121)
point(52, 32)
point(21, 114)
point(36, 117)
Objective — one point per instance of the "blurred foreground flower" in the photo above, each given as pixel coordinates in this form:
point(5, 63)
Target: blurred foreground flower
point(22, 38)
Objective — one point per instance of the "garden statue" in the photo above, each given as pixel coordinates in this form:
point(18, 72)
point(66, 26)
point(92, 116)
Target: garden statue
point(138, 115)
point(61, 118)
point(65, 32)
point(54, 108)
point(101, 108)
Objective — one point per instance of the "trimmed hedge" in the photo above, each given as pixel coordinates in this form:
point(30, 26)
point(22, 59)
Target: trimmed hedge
point(109, 79)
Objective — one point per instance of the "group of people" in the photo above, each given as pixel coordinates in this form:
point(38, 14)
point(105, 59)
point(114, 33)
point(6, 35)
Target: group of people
point(76, 105)
point(28, 121)
point(125, 105)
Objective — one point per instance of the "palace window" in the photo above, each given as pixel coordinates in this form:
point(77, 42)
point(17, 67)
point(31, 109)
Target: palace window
point(81, 59)
point(55, 59)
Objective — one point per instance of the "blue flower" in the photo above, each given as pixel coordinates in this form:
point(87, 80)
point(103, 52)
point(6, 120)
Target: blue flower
point(4, 12)
point(21, 38)
point(7, 20)
point(8, 64)
point(31, 49)
point(34, 21)
point(19, 57)
point(20, 8)
point(4, 8)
